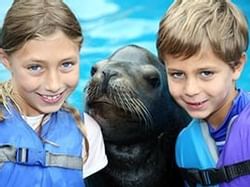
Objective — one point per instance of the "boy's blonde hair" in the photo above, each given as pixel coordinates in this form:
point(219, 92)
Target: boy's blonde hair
point(190, 26)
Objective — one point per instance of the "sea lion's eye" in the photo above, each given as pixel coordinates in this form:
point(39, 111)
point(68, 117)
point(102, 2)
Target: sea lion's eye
point(154, 81)
point(152, 76)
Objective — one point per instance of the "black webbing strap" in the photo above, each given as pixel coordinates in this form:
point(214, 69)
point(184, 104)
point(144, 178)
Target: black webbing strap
point(213, 176)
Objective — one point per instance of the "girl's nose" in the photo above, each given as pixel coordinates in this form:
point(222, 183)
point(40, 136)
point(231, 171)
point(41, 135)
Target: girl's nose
point(53, 82)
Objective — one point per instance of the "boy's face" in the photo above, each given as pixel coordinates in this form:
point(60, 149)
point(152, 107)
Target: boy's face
point(44, 72)
point(203, 85)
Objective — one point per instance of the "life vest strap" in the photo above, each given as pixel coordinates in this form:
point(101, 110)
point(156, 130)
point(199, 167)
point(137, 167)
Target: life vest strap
point(43, 158)
point(213, 176)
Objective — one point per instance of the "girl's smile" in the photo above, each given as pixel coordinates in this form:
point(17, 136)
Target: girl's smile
point(47, 76)
point(51, 99)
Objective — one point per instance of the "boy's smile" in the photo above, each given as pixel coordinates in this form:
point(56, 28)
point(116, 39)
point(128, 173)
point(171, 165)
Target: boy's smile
point(192, 106)
point(203, 85)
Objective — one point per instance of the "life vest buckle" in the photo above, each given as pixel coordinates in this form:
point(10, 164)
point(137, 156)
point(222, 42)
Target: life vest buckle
point(30, 157)
point(214, 176)
point(22, 155)
point(193, 176)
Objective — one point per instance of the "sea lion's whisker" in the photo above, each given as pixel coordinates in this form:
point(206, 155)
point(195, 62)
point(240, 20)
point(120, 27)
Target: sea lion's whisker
point(122, 100)
point(129, 93)
point(140, 109)
point(91, 92)
point(129, 104)
point(114, 97)
point(146, 114)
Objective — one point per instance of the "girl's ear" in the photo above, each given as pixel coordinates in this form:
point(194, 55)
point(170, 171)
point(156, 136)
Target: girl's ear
point(239, 67)
point(4, 59)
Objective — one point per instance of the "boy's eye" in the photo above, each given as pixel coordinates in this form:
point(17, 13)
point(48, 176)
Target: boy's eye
point(176, 75)
point(206, 74)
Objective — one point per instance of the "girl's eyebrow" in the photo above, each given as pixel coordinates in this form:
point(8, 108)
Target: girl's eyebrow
point(69, 58)
point(43, 61)
point(37, 60)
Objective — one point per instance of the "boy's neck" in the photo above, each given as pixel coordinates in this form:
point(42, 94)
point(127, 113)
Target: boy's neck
point(218, 116)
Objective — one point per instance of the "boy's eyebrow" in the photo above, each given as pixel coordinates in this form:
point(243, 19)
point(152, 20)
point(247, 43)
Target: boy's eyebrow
point(173, 69)
point(206, 68)
point(198, 69)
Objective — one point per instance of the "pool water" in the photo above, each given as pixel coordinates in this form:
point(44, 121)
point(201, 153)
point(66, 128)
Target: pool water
point(110, 24)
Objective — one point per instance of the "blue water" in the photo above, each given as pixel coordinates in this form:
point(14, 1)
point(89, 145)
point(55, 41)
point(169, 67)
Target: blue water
point(110, 24)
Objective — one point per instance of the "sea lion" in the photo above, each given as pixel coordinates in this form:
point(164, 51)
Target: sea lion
point(128, 96)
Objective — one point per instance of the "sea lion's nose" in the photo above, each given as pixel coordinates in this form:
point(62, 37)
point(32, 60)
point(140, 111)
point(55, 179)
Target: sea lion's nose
point(107, 76)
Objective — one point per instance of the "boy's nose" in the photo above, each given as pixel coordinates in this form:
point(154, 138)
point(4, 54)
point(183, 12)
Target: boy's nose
point(191, 87)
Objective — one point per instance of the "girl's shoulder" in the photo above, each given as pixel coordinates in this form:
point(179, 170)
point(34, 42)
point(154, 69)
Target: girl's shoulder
point(93, 128)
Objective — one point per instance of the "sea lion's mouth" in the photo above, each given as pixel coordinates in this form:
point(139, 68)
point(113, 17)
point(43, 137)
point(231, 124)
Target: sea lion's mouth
point(108, 110)
point(118, 103)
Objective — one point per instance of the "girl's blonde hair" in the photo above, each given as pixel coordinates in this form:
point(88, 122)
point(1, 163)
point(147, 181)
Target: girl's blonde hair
point(190, 26)
point(29, 19)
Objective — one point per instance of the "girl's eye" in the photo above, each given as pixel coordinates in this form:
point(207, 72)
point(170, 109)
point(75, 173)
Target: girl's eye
point(67, 66)
point(34, 68)
point(206, 74)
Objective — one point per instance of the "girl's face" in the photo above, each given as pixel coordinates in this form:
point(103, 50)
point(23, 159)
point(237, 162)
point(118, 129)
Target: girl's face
point(44, 72)
point(203, 85)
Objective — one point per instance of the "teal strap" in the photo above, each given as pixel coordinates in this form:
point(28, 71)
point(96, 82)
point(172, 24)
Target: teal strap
point(27, 156)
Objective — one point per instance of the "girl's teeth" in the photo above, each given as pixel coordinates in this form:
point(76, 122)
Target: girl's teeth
point(51, 99)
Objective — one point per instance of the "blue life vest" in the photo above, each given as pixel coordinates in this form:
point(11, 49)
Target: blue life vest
point(196, 149)
point(27, 160)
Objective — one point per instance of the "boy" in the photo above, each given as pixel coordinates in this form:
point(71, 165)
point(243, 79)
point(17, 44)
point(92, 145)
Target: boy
point(203, 44)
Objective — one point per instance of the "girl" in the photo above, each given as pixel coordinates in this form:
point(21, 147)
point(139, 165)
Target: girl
point(42, 140)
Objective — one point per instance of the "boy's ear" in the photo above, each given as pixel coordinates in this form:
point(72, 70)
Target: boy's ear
point(239, 67)
point(4, 59)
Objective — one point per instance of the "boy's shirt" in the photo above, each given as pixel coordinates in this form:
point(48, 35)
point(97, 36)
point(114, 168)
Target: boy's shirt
point(197, 139)
point(219, 134)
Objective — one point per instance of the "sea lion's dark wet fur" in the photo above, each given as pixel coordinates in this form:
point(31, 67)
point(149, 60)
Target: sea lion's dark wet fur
point(128, 96)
